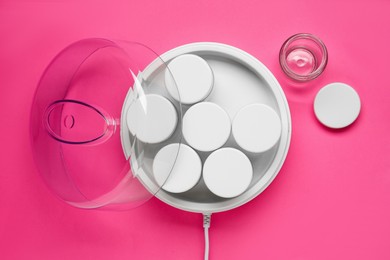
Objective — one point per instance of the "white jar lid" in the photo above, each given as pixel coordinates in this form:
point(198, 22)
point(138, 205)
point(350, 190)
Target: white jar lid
point(185, 173)
point(227, 172)
point(206, 126)
point(193, 77)
point(337, 105)
point(256, 128)
point(152, 118)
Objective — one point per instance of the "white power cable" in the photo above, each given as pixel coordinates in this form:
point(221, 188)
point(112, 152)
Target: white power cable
point(206, 226)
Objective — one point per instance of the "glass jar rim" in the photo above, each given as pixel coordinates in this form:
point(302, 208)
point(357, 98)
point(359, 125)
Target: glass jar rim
point(312, 75)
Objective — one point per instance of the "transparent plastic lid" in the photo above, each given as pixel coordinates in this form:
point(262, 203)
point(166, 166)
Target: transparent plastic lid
point(98, 120)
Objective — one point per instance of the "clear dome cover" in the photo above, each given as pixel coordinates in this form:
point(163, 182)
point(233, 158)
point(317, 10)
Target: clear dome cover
point(98, 119)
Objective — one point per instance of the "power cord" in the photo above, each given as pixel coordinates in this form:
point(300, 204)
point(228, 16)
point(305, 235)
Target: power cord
point(206, 226)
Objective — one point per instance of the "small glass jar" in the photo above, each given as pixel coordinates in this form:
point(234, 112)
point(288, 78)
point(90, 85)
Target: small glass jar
point(303, 57)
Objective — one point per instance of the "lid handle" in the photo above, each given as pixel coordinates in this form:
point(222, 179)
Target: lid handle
point(76, 122)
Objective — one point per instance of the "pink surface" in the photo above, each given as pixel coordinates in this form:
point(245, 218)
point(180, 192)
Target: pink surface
point(331, 199)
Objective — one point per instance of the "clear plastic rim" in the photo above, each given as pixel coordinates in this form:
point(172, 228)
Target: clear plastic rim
point(283, 54)
point(89, 169)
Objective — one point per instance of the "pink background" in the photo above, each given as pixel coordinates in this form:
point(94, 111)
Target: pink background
point(331, 199)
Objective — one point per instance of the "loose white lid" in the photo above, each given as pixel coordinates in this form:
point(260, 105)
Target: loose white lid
point(193, 79)
point(206, 126)
point(152, 118)
point(256, 128)
point(227, 172)
point(337, 105)
point(185, 173)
